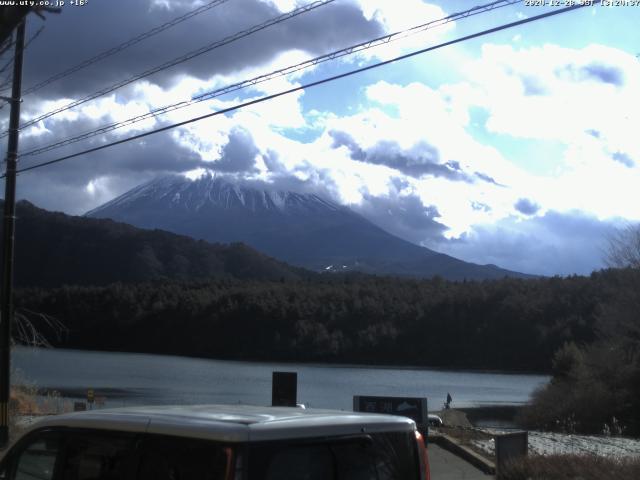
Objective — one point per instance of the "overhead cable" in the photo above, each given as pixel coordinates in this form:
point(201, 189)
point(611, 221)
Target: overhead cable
point(123, 46)
point(308, 85)
point(178, 60)
point(10, 61)
point(386, 39)
point(8, 79)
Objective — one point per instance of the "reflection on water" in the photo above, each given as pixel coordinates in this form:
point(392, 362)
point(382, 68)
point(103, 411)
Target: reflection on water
point(134, 379)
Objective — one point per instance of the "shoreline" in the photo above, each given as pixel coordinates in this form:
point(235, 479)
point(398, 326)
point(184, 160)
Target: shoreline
point(481, 417)
point(501, 414)
point(479, 370)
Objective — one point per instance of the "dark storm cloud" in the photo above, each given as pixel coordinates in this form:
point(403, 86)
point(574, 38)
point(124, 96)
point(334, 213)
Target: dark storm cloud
point(79, 33)
point(239, 154)
point(624, 159)
point(526, 206)
point(553, 244)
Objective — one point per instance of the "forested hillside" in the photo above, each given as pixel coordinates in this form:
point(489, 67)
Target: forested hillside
point(53, 249)
point(509, 324)
point(301, 229)
point(596, 385)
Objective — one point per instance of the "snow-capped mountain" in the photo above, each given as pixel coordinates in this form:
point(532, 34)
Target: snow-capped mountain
point(176, 192)
point(301, 229)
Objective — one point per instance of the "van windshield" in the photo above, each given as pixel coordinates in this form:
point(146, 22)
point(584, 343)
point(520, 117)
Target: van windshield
point(174, 458)
point(388, 456)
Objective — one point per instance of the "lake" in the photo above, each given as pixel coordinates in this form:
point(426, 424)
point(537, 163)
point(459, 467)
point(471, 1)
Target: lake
point(134, 379)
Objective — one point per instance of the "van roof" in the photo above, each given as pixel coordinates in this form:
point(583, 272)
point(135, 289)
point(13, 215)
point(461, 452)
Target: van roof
point(231, 423)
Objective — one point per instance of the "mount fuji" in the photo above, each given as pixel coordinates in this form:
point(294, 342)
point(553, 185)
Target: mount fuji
point(301, 229)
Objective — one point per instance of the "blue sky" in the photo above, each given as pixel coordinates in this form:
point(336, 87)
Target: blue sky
point(517, 149)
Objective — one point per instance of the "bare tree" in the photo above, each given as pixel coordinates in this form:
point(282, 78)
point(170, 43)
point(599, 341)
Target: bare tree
point(624, 247)
point(29, 325)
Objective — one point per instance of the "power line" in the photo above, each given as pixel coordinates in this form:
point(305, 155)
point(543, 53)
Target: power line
point(10, 61)
point(9, 77)
point(124, 45)
point(275, 74)
point(309, 85)
point(182, 59)
point(8, 43)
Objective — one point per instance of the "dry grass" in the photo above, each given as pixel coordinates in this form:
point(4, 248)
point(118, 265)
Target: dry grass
point(27, 402)
point(565, 467)
point(22, 401)
point(28, 399)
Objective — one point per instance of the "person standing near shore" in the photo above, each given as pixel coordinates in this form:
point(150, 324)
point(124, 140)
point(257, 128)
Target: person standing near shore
point(447, 404)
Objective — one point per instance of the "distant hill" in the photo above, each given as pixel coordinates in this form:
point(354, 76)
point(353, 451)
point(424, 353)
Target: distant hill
point(53, 249)
point(300, 229)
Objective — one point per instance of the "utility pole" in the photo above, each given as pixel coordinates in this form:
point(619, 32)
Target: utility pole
point(6, 292)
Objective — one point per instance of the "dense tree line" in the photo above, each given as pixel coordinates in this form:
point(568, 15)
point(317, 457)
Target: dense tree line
point(585, 331)
point(510, 324)
point(596, 385)
point(187, 297)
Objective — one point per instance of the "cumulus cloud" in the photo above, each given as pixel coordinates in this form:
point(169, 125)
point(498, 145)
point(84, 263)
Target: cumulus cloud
point(239, 154)
point(343, 139)
point(430, 161)
point(101, 25)
point(77, 185)
point(558, 94)
point(393, 19)
point(580, 100)
point(487, 178)
point(418, 160)
point(624, 159)
point(426, 137)
point(596, 71)
point(480, 206)
point(526, 206)
point(553, 244)
point(403, 214)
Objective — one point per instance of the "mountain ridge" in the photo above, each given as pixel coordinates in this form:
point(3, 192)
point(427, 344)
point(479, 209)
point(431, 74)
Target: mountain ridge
point(301, 229)
point(54, 249)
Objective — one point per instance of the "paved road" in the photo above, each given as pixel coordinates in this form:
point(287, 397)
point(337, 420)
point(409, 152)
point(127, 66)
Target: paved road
point(447, 466)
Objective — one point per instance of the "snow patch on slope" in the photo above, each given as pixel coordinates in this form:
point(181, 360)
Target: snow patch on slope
point(211, 190)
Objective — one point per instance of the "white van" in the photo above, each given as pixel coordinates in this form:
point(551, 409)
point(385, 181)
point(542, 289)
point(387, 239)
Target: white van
point(218, 442)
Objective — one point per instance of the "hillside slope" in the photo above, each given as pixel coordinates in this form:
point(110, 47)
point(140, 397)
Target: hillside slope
point(300, 229)
point(53, 249)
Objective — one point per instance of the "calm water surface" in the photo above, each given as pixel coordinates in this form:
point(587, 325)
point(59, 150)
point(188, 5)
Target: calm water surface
point(134, 379)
